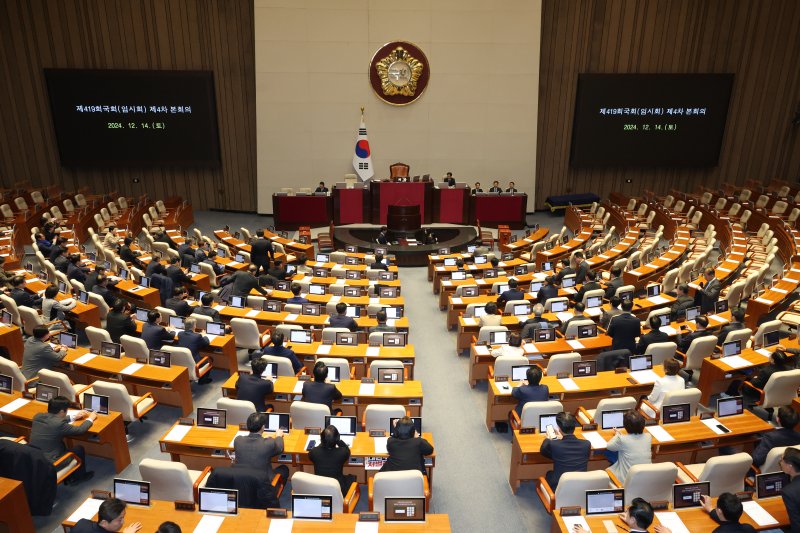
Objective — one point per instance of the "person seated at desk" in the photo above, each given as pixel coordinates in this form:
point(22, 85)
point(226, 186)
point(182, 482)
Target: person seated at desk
point(407, 449)
point(91, 278)
point(38, 354)
point(55, 311)
point(778, 362)
point(654, 336)
point(491, 317)
point(379, 264)
point(684, 341)
point(496, 187)
point(194, 341)
point(608, 314)
point(683, 301)
point(514, 346)
point(129, 255)
point(709, 291)
point(163, 236)
point(5, 277)
point(169, 527)
point(477, 189)
point(296, 298)
point(530, 390)
point(49, 231)
point(727, 513)
point(566, 270)
point(450, 180)
point(244, 282)
point(120, 320)
point(279, 350)
point(513, 293)
point(49, 429)
point(633, 448)
point(590, 284)
point(153, 333)
point(177, 302)
point(536, 322)
point(278, 270)
point(255, 387)
point(737, 314)
point(154, 267)
point(577, 314)
point(383, 236)
point(624, 329)
point(790, 464)
point(321, 187)
point(176, 273)
point(548, 290)
point(638, 517)
point(186, 250)
point(255, 451)
point(380, 316)
point(568, 452)
point(58, 249)
point(330, 456)
point(22, 296)
point(206, 309)
point(101, 288)
point(341, 320)
point(110, 240)
point(61, 263)
point(511, 187)
point(43, 244)
point(670, 382)
point(785, 435)
point(110, 518)
point(301, 267)
point(319, 390)
point(614, 283)
point(75, 270)
point(209, 260)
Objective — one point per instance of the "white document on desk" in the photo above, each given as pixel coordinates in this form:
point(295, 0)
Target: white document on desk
point(131, 369)
point(87, 510)
point(569, 384)
point(597, 441)
point(456, 301)
point(85, 358)
point(657, 300)
point(238, 433)
point(209, 524)
point(764, 352)
point(644, 376)
point(177, 433)
point(298, 387)
point(335, 298)
point(13, 406)
point(718, 318)
point(734, 361)
point(712, 424)
point(380, 445)
point(669, 330)
point(482, 350)
point(252, 313)
point(373, 351)
point(529, 347)
point(659, 433)
point(291, 317)
point(367, 527)
point(324, 349)
point(571, 521)
point(219, 307)
point(563, 316)
point(673, 521)
point(576, 344)
point(758, 514)
point(281, 525)
point(469, 321)
point(366, 389)
point(594, 311)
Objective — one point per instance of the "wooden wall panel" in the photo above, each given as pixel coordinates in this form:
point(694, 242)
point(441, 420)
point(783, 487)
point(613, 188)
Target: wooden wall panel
point(214, 35)
point(756, 40)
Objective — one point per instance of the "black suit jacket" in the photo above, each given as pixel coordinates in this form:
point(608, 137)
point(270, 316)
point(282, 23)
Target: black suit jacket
point(320, 392)
point(253, 389)
point(709, 295)
point(165, 238)
point(612, 286)
point(262, 252)
point(255, 451)
point(566, 271)
point(733, 326)
point(588, 286)
point(129, 256)
point(545, 293)
point(180, 306)
point(329, 462)
point(581, 271)
point(569, 454)
point(406, 454)
point(647, 339)
point(342, 321)
point(155, 335)
point(87, 526)
point(243, 283)
point(730, 527)
point(529, 393)
point(177, 275)
point(119, 324)
point(23, 297)
point(681, 305)
point(623, 330)
point(684, 341)
point(791, 499)
point(774, 439)
point(106, 293)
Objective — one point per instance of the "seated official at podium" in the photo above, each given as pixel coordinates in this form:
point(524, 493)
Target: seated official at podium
point(477, 188)
point(511, 187)
point(496, 187)
point(321, 187)
point(450, 180)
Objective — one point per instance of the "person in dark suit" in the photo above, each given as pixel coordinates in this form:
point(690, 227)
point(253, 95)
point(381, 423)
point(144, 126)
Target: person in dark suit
point(189, 338)
point(49, 429)
point(513, 293)
point(319, 390)
point(244, 282)
point(682, 302)
point(548, 290)
point(43, 244)
point(58, 249)
point(791, 492)
point(75, 270)
point(784, 436)
point(341, 320)
point(153, 333)
point(407, 449)
point(534, 323)
point(101, 288)
point(614, 283)
point(566, 270)
point(589, 285)
point(638, 518)
point(177, 302)
point(91, 278)
point(120, 320)
point(321, 187)
point(582, 268)
point(477, 188)
point(186, 250)
point(577, 314)
point(176, 273)
point(450, 180)
point(568, 452)
point(654, 336)
point(110, 517)
point(261, 252)
point(611, 312)
point(778, 362)
point(296, 298)
point(206, 308)
point(378, 264)
point(709, 291)
point(253, 387)
point(218, 269)
point(726, 513)
point(684, 341)
point(330, 456)
point(127, 254)
point(256, 452)
point(736, 324)
point(163, 236)
point(61, 263)
point(21, 296)
point(279, 350)
point(511, 187)
point(530, 390)
point(624, 329)
point(278, 270)
point(381, 326)
point(495, 187)
point(383, 236)
point(38, 353)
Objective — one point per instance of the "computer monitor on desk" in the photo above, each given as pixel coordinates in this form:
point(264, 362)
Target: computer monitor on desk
point(519, 372)
point(6, 384)
point(640, 362)
point(409, 510)
point(131, 491)
point(730, 406)
point(672, 414)
point(689, 494)
point(544, 335)
point(772, 338)
point(771, 484)
point(731, 348)
point(613, 419)
point(593, 302)
point(211, 418)
point(498, 337)
point(584, 369)
point(522, 309)
point(559, 306)
point(312, 507)
point(218, 501)
point(692, 313)
point(605, 501)
point(653, 290)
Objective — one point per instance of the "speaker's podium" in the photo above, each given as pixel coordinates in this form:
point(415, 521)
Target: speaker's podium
point(403, 218)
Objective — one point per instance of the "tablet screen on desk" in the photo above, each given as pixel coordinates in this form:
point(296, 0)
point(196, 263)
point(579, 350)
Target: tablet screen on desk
point(397, 340)
point(389, 292)
point(160, 358)
point(559, 306)
point(276, 421)
point(730, 406)
point(664, 319)
point(519, 372)
point(130, 491)
point(317, 289)
point(478, 311)
point(144, 281)
point(771, 484)
point(70, 340)
point(503, 287)
point(96, 402)
point(450, 261)
point(584, 369)
point(640, 362)
point(613, 419)
point(404, 510)
point(594, 301)
point(6, 384)
point(535, 287)
point(731, 348)
point(522, 309)
point(45, 393)
point(352, 292)
point(211, 418)
point(547, 420)
point(322, 258)
point(498, 337)
point(62, 288)
point(588, 331)
point(219, 501)
point(390, 375)
point(352, 274)
point(671, 414)
point(458, 275)
point(771, 338)
point(194, 268)
point(688, 494)
point(310, 309)
point(395, 313)
point(547, 265)
point(176, 322)
point(309, 507)
point(346, 338)
point(351, 260)
point(387, 276)
point(6, 318)
point(301, 336)
point(345, 424)
point(83, 297)
point(567, 282)
point(334, 374)
point(544, 335)
point(605, 501)
point(271, 306)
point(625, 296)
point(352, 311)
point(238, 301)
point(215, 328)
point(721, 306)
point(141, 315)
point(469, 292)
point(653, 290)
point(692, 313)
point(480, 259)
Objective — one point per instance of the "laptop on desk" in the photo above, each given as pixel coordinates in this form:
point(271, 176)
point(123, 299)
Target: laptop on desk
point(218, 501)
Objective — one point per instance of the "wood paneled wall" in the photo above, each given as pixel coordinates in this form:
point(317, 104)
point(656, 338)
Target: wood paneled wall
point(214, 35)
point(757, 40)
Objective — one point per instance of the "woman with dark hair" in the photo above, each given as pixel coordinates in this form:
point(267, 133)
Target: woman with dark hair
point(330, 456)
point(634, 448)
point(407, 449)
point(778, 362)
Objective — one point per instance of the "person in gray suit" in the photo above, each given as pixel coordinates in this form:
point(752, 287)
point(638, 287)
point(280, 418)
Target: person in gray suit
point(380, 316)
point(709, 291)
point(257, 452)
point(38, 353)
point(49, 429)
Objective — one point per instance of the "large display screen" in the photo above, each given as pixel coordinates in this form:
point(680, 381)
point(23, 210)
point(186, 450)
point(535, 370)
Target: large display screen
point(650, 119)
point(134, 117)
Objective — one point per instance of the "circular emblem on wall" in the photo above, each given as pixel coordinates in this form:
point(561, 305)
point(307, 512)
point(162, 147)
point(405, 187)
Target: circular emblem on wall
point(399, 73)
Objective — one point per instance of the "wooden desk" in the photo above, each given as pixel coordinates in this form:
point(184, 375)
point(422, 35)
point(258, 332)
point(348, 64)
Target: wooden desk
point(267, 318)
point(201, 447)
point(256, 520)
point(621, 249)
point(138, 296)
point(14, 511)
point(694, 442)
point(11, 340)
point(651, 271)
point(105, 438)
point(564, 250)
point(291, 247)
point(592, 389)
point(439, 272)
point(353, 403)
point(360, 356)
point(323, 299)
point(695, 519)
point(169, 386)
point(86, 314)
point(525, 244)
